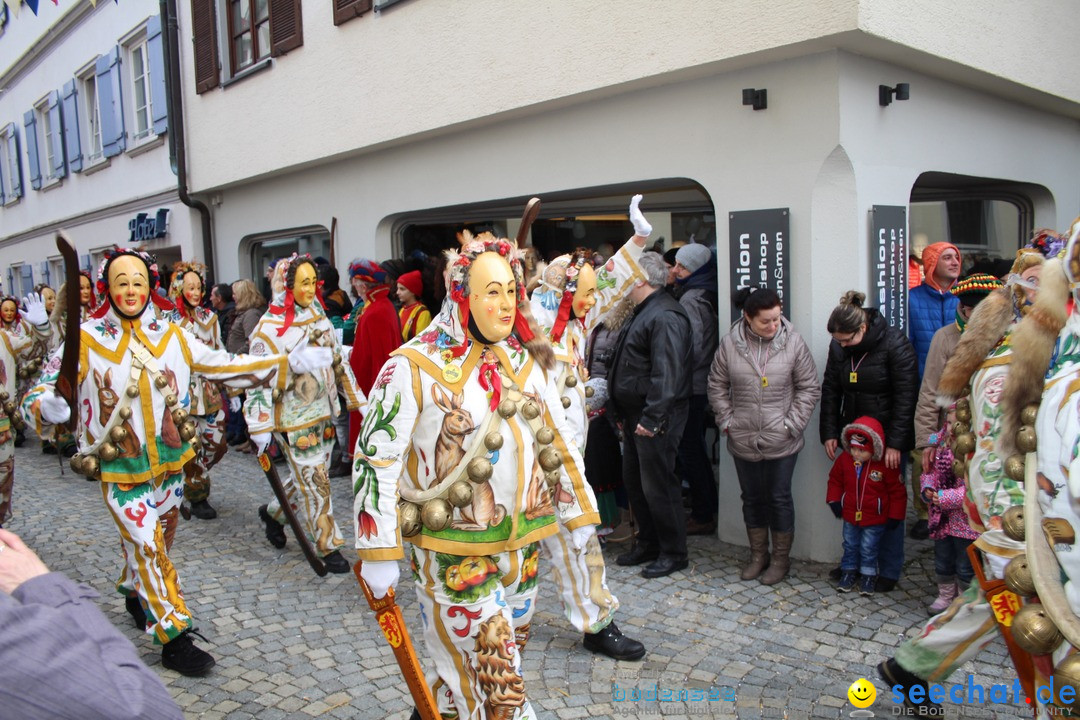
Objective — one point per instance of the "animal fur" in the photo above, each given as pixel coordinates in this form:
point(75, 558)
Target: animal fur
point(1032, 346)
point(985, 328)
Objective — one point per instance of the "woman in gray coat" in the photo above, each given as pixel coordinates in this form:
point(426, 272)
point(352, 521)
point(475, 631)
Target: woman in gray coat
point(763, 387)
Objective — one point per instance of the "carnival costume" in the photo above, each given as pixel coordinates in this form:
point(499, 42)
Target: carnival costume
point(134, 433)
point(300, 414)
point(460, 453)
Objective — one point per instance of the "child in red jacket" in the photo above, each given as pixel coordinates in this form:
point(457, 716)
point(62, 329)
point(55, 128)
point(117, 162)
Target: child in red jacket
point(868, 496)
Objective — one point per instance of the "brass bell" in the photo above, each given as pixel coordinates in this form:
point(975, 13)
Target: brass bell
point(479, 470)
point(565, 401)
point(409, 519)
point(964, 445)
point(187, 431)
point(436, 514)
point(1012, 523)
point(336, 362)
point(571, 381)
point(530, 410)
point(1026, 439)
point(4, 395)
point(459, 494)
point(545, 436)
point(161, 382)
point(1029, 414)
point(589, 391)
point(171, 400)
point(17, 422)
point(961, 427)
point(339, 372)
point(552, 477)
point(132, 391)
point(275, 395)
point(1067, 674)
point(91, 466)
point(22, 373)
point(963, 410)
point(1014, 467)
point(125, 413)
point(493, 440)
point(550, 458)
point(118, 434)
point(180, 415)
point(107, 451)
point(315, 334)
point(1018, 576)
point(959, 468)
point(507, 409)
point(9, 408)
point(76, 463)
point(1034, 631)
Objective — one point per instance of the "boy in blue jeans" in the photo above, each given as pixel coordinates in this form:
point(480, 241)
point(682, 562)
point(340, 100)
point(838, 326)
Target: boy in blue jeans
point(868, 496)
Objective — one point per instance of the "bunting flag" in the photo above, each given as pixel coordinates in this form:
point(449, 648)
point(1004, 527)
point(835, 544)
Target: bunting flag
point(13, 7)
point(33, 5)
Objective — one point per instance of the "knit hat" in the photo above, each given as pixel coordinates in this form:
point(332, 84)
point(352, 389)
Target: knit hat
point(865, 433)
point(693, 257)
point(412, 282)
point(367, 270)
point(930, 255)
point(974, 288)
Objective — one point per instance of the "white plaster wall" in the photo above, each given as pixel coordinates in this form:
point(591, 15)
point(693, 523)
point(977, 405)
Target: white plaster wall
point(430, 67)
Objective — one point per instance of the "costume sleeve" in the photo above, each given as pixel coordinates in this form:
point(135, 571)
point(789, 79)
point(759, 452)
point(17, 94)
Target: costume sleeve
point(835, 491)
point(379, 461)
point(1057, 428)
point(951, 499)
point(346, 382)
point(30, 405)
point(805, 388)
point(829, 419)
point(240, 371)
point(927, 412)
point(614, 280)
point(671, 357)
point(581, 509)
point(62, 658)
point(259, 402)
point(897, 494)
point(719, 389)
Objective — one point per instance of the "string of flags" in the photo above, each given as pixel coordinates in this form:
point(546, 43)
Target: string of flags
point(13, 6)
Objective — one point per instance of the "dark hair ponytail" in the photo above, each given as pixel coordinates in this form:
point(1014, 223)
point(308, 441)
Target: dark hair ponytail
point(752, 300)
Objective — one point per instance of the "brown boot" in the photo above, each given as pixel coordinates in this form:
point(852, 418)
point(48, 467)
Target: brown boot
point(759, 552)
point(778, 567)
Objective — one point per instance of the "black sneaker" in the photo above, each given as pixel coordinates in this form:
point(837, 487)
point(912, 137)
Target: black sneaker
point(894, 675)
point(135, 610)
point(20, 438)
point(69, 450)
point(847, 581)
point(275, 533)
point(336, 563)
point(866, 584)
point(181, 655)
point(203, 510)
point(611, 642)
point(48, 448)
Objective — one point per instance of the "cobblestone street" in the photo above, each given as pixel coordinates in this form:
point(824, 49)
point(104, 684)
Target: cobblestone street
point(291, 645)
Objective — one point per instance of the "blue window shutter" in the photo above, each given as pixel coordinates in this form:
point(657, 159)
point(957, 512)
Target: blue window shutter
point(71, 127)
point(156, 52)
point(3, 199)
point(113, 138)
point(56, 122)
point(27, 278)
point(30, 123)
point(13, 152)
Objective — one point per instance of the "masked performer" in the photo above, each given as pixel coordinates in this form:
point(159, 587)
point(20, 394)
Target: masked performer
point(135, 435)
point(301, 414)
point(468, 432)
point(186, 292)
point(569, 302)
point(59, 437)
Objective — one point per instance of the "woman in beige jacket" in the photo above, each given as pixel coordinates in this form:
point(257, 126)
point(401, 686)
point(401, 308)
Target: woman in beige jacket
point(763, 387)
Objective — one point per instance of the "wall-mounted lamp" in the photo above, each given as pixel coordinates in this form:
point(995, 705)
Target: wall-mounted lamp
point(758, 98)
point(885, 94)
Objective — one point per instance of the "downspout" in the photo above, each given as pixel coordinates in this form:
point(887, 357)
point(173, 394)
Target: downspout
point(177, 149)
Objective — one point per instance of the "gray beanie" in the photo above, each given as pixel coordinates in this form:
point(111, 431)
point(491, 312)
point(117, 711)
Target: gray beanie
point(693, 257)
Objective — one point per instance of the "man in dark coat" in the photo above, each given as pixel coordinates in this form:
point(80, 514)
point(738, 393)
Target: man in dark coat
point(650, 381)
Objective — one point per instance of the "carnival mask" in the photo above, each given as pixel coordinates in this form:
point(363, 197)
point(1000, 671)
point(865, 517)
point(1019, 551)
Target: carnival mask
point(193, 290)
point(492, 296)
point(48, 296)
point(86, 290)
point(129, 285)
point(585, 294)
point(305, 284)
point(7, 311)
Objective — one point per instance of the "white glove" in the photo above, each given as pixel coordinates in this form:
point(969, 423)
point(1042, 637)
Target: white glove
point(642, 228)
point(306, 359)
point(54, 409)
point(580, 536)
point(261, 441)
point(34, 310)
point(235, 404)
point(380, 576)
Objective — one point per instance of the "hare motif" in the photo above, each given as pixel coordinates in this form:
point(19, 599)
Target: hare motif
point(107, 401)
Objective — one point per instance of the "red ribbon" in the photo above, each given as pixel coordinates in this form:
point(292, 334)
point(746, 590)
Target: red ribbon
point(489, 380)
point(562, 317)
point(289, 311)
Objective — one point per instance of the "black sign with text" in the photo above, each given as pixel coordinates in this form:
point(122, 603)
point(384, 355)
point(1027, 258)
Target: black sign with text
point(759, 254)
point(889, 263)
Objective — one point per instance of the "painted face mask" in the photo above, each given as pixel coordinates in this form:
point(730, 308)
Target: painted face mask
point(86, 291)
point(193, 290)
point(305, 285)
point(7, 311)
point(492, 296)
point(129, 286)
point(585, 294)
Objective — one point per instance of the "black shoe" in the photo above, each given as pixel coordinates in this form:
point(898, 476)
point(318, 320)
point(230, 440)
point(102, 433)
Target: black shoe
point(885, 584)
point(181, 655)
point(275, 533)
point(336, 563)
point(340, 468)
point(920, 530)
point(611, 642)
point(203, 510)
point(237, 440)
point(47, 448)
point(664, 566)
point(20, 438)
point(135, 610)
point(69, 450)
point(637, 555)
point(893, 675)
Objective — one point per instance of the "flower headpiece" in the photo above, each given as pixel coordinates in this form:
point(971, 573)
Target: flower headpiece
point(102, 284)
point(176, 288)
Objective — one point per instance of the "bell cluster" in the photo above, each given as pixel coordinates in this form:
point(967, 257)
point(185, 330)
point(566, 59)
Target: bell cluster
point(10, 409)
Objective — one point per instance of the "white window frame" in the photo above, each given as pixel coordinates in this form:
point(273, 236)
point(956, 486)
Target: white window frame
point(16, 280)
point(56, 274)
point(8, 166)
point(90, 117)
point(134, 43)
point(45, 131)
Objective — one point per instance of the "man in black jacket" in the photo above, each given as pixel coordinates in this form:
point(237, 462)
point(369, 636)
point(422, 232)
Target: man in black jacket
point(649, 381)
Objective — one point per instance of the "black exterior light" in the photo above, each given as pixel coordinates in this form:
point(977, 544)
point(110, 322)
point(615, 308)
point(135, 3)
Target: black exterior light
point(902, 91)
point(759, 99)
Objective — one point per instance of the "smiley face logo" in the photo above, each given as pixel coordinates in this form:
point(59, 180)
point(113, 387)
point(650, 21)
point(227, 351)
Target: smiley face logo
point(862, 693)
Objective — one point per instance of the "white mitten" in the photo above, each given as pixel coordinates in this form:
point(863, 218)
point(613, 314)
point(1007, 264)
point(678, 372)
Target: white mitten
point(261, 442)
point(54, 409)
point(235, 404)
point(306, 359)
point(34, 310)
point(380, 576)
point(580, 536)
point(642, 228)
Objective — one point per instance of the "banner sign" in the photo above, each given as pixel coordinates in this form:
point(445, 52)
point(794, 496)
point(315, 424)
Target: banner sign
point(759, 258)
point(889, 263)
